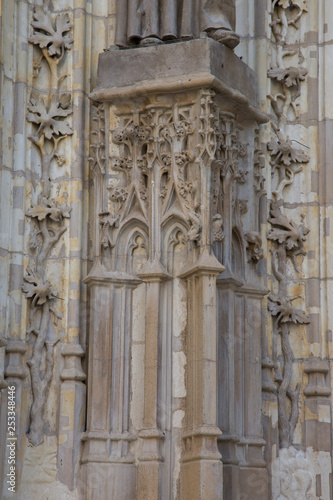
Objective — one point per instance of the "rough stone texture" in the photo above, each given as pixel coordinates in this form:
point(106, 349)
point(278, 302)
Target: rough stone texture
point(179, 197)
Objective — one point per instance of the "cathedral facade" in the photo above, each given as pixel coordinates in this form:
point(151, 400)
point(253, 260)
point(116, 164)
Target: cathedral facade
point(166, 273)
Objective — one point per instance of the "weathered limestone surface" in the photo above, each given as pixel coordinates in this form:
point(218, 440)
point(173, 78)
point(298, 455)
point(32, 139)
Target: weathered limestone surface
point(165, 249)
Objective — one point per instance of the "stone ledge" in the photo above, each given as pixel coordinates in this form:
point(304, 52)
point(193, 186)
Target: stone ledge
point(176, 67)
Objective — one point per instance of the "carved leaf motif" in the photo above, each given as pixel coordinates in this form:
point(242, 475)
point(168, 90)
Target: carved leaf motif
point(47, 118)
point(301, 4)
point(285, 153)
point(37, 289)
point(48, 36)
point(290, 76)
point(49, 208)
point(286, 232)
point(282, 308)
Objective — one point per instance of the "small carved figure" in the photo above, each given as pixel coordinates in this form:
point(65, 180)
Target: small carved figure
point(218, 234)
point(254, 244)
point(194, 233)
point(150, 22)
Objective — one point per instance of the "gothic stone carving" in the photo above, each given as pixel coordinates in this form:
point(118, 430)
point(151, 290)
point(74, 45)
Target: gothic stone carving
point(254, 244)
point(295, 476)
point(154, 23)
point(47, 113)
point(289, 238)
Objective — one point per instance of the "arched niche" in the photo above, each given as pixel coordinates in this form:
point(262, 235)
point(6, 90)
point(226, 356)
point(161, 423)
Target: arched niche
point(175, 245)
point(237, 254)
point(132, 248)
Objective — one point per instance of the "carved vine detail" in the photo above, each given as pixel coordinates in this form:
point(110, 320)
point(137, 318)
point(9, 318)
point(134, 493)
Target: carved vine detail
point(287, 158)
point(289, 241)
point(288, 238)
point(48, 114)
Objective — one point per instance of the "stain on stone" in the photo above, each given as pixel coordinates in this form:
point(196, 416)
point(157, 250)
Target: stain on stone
point(313, 90)
point(318, 485)
point(317, 434)
point(21, 227)
point(73, 313)
point(75, 220)
point(15, 277)
point(3, 252)
point(18, 197)
point(313, 293)
point(311, 37)
point(311, 254)
point(18, 313)
point(326, 226)
point(19, 108)
point(315, 181)
point(313, 333)
point(78, 75)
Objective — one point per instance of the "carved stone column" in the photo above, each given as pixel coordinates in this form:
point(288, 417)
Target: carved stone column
point(201, 470)
point(151, 457)
point(108, 462)
point(161, 146)
point(72, 411)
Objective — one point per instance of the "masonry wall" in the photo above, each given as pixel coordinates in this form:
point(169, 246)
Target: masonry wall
point(49, 236)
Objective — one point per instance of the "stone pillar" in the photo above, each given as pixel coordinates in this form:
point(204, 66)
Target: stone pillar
point(166, 142)
point(201, 469)
point(108, 465)
point(72, 414)
point(151, 457)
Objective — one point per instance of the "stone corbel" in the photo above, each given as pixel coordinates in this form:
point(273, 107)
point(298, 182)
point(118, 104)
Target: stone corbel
point(15, 367)
point(72, 371)
point(267, 375)
point(318, 380)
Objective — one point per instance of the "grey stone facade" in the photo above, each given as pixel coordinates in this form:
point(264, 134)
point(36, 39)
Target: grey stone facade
point(165, 284)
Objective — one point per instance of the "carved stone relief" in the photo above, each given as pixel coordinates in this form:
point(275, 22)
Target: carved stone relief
point(288, 237)
point(47, 111)
point(295, 475)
